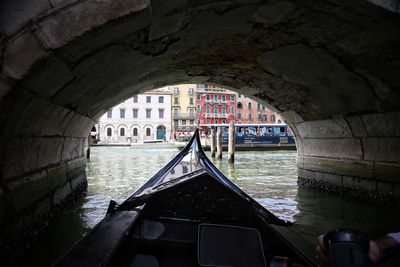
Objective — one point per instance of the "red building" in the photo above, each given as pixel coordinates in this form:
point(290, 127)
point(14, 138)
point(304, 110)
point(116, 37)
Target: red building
point(215, 105)
point(249, 111)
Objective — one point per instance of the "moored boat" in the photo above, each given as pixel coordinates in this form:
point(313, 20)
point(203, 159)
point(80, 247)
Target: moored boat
point(190, 214)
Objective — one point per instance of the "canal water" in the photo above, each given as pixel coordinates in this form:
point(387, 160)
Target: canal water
point(268, 176)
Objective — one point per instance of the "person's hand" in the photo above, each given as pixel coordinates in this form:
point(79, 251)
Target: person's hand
point(375, 252)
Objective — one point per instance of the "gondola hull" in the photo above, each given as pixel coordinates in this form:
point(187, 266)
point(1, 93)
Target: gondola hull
point(189, 214)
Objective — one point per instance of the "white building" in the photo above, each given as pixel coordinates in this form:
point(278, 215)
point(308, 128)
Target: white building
point(142, 118)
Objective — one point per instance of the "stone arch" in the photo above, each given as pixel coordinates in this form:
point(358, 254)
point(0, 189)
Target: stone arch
point(332, 71)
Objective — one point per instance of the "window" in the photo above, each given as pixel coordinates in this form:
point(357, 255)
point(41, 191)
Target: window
point(148, 113)
point(122, 113)
point(198, 108)
point(265, 118)
point(161, 113)
point(160, 99)
point(191, 91)
point(191, 113)
point(272, 118)
point(176, 90)
point(259, 116)
point(135, 99)
point(191, 122)
point(175, 112)
point(223, 122)
point(208, 109)
point(208, 121)
point(258, 106)
point(223, 98)
point(232, 110)
point(176, 123)
point(215, 110)
point(148, 99)
point(239, 105)
point(208, 97)
point(216, 122)
point(135, 113)
point(176, 100)
point(109, 132)
point(198, 97)
point(250, 116)
point(122, 132)
point(239, 116)
point(183, 122)
point(232, 98)
point(215, 98)
point(191, 101)
point(148, 132)
point(249, 105)
point(223, 110)
point(109, 114)
point(135, 132)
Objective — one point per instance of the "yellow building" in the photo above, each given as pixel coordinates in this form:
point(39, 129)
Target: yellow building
point(183, 108)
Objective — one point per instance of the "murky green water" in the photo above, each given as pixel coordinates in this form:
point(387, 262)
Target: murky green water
point(270, 177)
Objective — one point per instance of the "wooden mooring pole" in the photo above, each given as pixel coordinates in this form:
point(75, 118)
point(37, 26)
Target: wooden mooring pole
point(212, 143)
point(219, 143)
point(231, 143)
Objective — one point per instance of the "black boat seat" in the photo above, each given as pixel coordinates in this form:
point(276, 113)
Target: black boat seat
point(140, 260)
point(151, 230)
point(229, 246)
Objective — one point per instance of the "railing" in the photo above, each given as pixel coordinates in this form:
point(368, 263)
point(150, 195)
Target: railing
point(184, 116)
point(217, 115)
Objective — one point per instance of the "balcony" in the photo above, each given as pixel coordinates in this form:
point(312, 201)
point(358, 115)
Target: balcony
point(217, 115)
point(184, 116)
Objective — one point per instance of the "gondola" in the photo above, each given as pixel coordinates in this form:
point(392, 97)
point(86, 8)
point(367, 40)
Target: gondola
point(190, 214)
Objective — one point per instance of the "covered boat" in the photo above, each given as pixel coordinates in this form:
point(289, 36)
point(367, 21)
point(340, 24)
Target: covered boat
point(190, 214)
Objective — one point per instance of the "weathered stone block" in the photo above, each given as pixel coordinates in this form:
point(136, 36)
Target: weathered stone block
point(62, 193)
point(80, 181)
point(165, 25)
point(357, 126)
point(359, 183)
point(343, 148)
point(328, 178)
point(306, 174)
point(384, 187)
point(327, 79)
point(15, 14)
point(377, 124)
point(57, 176)
point(4, 88)
point(73, 148)
point(333, 128)
point(362, 169)
point(20, 53)
point(78, 125)
point(51, 75)
point(66, 25)
point(28, 190)
point(389, 172)
point(382, 149)
point(28, 154)
point(273, 13)
point(76, 167)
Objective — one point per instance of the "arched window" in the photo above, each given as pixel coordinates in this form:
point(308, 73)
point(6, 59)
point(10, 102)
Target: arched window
point(148, 132)
point(208, 109)
point(135, 132)
point(215, 109)
point(232, 110)
point(122, 132)
point(249, 105)
point(239, 105)
point(109, 131)
point(223, 109)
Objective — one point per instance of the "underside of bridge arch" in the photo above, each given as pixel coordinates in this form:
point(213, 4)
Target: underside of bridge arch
point(330, 67)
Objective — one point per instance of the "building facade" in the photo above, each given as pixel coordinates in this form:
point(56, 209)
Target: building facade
point(250, 111)
point(183, 108)
point(215, 105)
point(142, 118)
